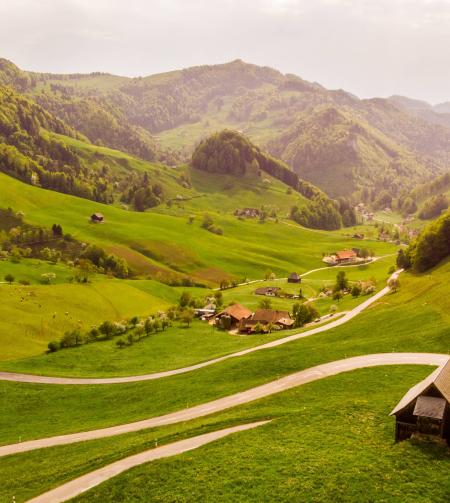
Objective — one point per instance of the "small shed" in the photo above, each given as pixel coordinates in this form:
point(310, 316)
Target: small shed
point(97, 218)
point(425, 409)
point(294, 278)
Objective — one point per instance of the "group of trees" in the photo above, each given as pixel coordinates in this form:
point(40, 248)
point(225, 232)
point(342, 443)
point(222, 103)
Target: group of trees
point(208, 224)
point(19, 239)
point(131, 330)
point(321, 213)
point(433, 207)
point(431, 246)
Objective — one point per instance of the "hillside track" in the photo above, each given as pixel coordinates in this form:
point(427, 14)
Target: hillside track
point(250, 395)
point(85, 482)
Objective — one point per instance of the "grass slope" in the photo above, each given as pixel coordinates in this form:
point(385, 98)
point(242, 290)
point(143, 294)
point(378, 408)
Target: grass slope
point(415, 319)
point(328, 439)
point(158, 243)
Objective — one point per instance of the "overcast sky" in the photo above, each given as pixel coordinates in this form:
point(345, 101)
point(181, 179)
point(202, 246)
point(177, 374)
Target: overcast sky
point(368, 47)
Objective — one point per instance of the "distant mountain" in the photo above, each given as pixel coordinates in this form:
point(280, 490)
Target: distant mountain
point(342, 153)
point(373, 144)
point(437, 114)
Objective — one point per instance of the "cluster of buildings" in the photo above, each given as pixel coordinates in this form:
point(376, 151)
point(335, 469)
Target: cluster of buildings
point(247, 213)
point(238, 317)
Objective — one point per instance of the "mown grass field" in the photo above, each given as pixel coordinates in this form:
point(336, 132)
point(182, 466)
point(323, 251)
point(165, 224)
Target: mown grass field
point(328, 440)
point(32, 270)
point(414, 319)
point(31, 316)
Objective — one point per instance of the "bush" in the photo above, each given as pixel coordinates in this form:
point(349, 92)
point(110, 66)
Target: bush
point(53, 346)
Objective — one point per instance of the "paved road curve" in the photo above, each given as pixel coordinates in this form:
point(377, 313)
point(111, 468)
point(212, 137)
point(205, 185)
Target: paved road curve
point(92, 479)
point(29, 378)
point(283, 384)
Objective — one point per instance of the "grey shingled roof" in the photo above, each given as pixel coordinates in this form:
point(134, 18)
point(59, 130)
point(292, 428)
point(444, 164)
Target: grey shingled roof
point(430, 406)
point(440, 378)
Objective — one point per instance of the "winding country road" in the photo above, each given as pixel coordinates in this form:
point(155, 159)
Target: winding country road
point(30, 378)
point(264, 390)
point(92, 479)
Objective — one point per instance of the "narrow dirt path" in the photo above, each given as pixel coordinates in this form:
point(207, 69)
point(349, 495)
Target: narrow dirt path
point(264, 390)
point(85, 482)
point(30, 378)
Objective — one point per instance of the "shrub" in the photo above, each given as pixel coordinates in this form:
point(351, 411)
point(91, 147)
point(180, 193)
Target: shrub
point(53, 346)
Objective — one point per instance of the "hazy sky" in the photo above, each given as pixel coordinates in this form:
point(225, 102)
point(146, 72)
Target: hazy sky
point(368, 47)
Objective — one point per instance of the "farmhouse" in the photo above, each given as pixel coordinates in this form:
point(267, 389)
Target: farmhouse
point(425, 409)
point(230, 317)
point(247, 213)
point(97, 217)
point(346, 256)
point(269, 291)
point(294, 278)
point(281, 319)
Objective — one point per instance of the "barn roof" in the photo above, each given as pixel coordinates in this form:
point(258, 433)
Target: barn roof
point(440, 378)
point(430, 406)
point(294, 275)
point(237, 311)
point(270, 316)
point(345, 254)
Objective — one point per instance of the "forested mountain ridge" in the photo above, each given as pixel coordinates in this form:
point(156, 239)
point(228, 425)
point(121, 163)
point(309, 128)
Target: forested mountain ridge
point(343, 154)
point(282, 113)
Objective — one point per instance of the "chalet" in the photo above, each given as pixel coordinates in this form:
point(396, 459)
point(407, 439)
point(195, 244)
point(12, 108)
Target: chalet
point(294, 278)
point(230, 317)
point(247, 213)
point(269, 291)
point(425, 409)
point(346, 256)
point(97, 218)
point(264, 317)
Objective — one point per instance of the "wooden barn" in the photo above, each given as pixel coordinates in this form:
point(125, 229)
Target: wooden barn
point(425, 409)
point(230, 317)
point(294, 278)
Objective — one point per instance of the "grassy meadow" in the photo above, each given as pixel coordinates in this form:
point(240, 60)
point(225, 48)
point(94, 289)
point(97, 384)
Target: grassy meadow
point(416, 318)
point(327, 439)
point(176, 347)
point(160, 244)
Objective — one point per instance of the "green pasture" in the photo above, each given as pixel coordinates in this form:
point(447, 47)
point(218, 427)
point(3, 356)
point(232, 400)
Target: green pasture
point(416, 318)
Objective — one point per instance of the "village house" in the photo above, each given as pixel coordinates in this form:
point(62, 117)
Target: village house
point(269, 291)
point(425, 409)
point(341, 257)
point(264, 317)
point(294, 278)
point(97, 218)
point(346, 256)
point(230, 317)
point(247, 213)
